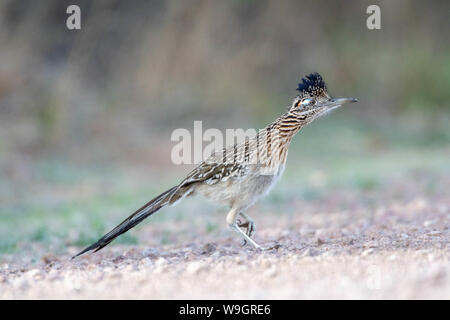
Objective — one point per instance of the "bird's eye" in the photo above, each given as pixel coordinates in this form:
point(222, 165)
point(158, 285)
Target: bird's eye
point(308, 102)
point(305, 102)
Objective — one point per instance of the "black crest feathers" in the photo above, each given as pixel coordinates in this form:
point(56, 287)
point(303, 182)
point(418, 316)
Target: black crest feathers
point(312, 85)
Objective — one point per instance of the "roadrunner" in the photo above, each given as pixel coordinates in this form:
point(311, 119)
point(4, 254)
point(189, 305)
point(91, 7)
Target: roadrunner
point(240, 174)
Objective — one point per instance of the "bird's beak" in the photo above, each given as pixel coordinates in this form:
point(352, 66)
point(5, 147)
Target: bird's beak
point(337, 102)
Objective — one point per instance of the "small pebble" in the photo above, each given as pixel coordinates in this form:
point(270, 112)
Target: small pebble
point(311, 252)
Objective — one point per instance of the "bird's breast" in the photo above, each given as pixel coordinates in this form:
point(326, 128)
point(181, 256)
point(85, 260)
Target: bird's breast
point(244, 191)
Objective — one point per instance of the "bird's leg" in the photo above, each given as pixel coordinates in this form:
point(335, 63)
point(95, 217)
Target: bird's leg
point(232, 223)
point(248, 224)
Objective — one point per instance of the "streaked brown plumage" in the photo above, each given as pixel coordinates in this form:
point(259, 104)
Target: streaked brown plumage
point(240, 174)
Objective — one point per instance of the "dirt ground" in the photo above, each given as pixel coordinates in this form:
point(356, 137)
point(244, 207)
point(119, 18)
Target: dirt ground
point(341, 248)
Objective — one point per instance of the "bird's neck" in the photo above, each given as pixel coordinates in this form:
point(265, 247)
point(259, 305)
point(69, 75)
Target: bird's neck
point(276, 138)
point(288, 125)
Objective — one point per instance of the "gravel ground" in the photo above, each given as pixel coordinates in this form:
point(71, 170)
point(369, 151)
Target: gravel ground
point(350, 246)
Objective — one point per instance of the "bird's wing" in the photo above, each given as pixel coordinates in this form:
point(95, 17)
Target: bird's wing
point(231, 162)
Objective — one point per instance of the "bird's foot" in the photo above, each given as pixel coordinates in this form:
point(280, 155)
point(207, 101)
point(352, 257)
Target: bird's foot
point(249, 226)
point(246, 238)
point(274, 247)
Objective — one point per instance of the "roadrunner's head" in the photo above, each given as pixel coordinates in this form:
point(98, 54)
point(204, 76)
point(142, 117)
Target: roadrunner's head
point(313, 99)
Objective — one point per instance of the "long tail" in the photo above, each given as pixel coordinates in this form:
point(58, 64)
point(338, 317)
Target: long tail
point(168, 197)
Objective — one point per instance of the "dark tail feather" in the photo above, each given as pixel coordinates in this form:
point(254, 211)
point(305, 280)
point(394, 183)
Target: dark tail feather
point(140, 214)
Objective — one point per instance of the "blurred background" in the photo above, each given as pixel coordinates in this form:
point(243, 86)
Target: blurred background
point(86, 115)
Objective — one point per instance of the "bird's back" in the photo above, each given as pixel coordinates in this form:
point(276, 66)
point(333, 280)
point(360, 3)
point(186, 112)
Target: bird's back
point(244, 171)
